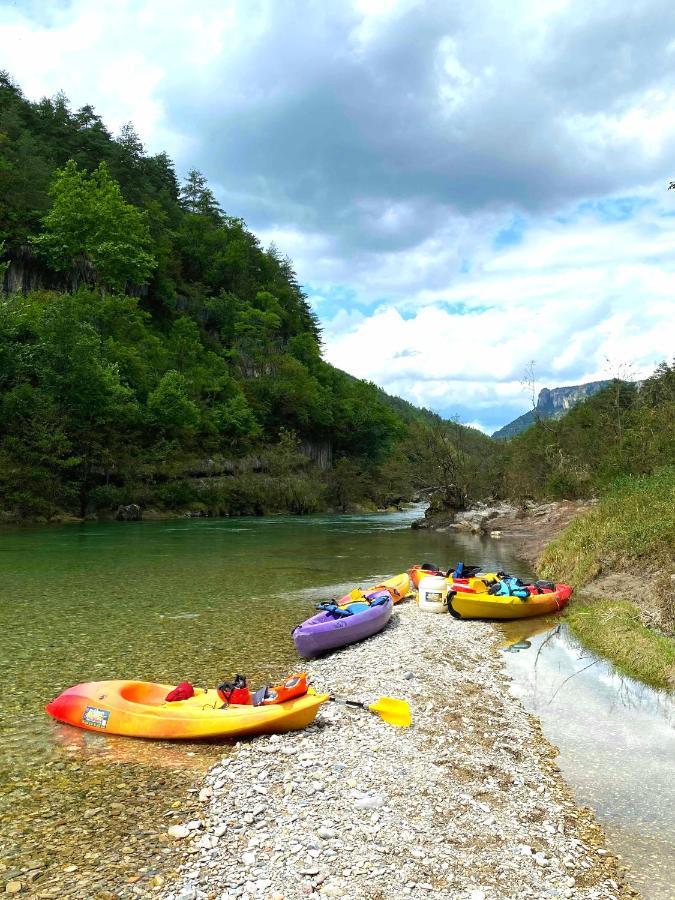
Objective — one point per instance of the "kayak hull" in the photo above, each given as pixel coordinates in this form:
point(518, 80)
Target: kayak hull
point(324, 632)
point(465, 605)
point(398, 587)
point(138, 709)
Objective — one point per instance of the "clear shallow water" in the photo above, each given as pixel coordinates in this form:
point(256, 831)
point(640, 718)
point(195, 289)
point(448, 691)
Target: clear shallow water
point(195, 599)
point(617, 745)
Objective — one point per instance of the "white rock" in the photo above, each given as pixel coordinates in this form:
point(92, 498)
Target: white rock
point(178, 832)
point(374, 802)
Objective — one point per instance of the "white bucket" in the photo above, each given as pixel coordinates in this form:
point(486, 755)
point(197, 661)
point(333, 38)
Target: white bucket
point(433, 594)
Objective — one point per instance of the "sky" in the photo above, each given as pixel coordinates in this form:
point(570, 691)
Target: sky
point(465, 189)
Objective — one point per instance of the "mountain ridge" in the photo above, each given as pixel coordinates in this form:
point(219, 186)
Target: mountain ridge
point(552, 403)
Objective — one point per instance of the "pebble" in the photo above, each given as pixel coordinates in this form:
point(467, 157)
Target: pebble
point(369, 802)
point(178, 832)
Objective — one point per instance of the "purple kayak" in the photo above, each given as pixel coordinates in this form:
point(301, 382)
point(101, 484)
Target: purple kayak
point(330, 629)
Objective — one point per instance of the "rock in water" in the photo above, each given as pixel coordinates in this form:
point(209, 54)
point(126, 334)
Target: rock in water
point(130, 513)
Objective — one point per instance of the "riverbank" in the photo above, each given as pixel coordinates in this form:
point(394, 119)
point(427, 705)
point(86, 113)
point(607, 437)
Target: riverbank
point(616, 552)
point(621, 555)
point(468, 802)
point(529, 527)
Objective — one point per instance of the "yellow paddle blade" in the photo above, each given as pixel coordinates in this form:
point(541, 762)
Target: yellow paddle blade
point(395, 712)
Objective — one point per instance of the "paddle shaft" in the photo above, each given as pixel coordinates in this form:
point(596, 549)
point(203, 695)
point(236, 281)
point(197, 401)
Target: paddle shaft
point(349, 702)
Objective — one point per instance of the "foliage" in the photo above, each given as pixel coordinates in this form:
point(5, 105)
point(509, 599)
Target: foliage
point(164, 334)
point(626, 429)
point(92, 230)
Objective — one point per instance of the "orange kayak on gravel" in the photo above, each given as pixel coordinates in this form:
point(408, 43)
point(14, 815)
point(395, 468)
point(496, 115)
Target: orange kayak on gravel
point(139, 709)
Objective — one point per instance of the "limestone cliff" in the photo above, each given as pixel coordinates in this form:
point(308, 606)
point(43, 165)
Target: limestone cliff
point(552, 403)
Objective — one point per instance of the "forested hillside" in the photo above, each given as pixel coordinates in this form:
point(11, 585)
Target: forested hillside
point(624, 430)
point(153, 352)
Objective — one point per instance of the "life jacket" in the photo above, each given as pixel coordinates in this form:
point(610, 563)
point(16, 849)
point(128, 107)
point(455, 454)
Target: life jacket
point(510, 587)
point(182, 691)
point(463, 571)
point(235, 692)
point(357, 604)
point(294, 686)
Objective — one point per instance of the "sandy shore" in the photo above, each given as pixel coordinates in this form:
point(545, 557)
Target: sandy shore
point(466, 803)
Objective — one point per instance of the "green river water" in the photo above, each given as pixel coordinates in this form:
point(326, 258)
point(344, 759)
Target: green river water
point(85, 815)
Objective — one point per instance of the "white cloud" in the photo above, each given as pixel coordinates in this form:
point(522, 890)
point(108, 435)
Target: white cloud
point(578, 299)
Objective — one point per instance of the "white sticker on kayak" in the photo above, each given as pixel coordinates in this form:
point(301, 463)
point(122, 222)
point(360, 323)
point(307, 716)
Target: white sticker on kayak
point(97, 718)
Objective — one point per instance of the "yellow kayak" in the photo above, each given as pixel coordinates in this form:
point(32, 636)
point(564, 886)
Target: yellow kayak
point(139, 709)
point(398, 588)
point(483, 605)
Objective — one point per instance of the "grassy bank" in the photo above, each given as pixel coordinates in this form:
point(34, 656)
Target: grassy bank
point(631, 529)
point(612, 628)
point(624, 546)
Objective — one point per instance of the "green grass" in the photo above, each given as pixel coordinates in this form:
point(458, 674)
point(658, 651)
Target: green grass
point(632, 527)
point(631, 530)
point(612, 628)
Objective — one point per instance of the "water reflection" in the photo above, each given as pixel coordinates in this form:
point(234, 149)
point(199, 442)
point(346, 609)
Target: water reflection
point(617, 745)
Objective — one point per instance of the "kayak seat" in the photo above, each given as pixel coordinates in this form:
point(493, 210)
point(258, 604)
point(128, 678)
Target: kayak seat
point(357, 608)
point(143, 692)
point(334, 609)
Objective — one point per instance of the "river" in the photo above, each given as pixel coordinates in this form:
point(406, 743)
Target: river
point(196, 599)
point(616, 738)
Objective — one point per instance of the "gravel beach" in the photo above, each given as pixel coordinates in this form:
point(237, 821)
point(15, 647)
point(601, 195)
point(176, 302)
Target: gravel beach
point(467, 803)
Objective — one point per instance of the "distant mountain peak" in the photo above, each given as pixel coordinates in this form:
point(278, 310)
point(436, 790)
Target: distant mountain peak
point(552, 403)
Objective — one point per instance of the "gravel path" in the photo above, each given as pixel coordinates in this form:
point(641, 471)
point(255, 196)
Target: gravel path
point(467, 803)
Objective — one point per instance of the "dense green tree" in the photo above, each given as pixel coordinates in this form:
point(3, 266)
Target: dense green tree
point(197, 197)
point(169, 405)
point(92, 231)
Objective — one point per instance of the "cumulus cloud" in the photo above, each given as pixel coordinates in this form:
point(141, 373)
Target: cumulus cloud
point(581, 305)
point(436, 170)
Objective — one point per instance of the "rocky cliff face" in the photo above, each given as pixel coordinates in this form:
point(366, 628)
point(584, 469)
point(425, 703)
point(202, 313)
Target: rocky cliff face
point(552, 403)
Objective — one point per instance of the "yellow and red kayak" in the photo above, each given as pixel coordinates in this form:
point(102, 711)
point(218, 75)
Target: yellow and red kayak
point(398, 587)
point(139, 709)
point(482, 605)
point(417, 573)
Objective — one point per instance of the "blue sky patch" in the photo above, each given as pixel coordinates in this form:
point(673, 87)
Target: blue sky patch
point(511, 235)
